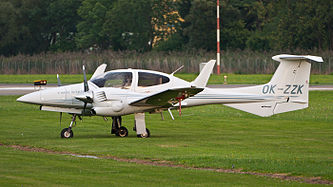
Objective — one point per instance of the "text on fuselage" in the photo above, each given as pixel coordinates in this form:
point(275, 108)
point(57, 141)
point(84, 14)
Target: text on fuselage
point(288, 89)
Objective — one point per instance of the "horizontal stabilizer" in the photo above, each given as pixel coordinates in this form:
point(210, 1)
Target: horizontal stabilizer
point(265, 109)
point(286, 107)
point(166, 98)
point(298, 58)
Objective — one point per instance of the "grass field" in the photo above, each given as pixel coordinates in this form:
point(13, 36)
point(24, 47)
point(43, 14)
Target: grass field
point(41, 169)
point(297, 143)
point(214, 79)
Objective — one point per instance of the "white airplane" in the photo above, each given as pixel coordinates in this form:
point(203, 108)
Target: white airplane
point(134, 91)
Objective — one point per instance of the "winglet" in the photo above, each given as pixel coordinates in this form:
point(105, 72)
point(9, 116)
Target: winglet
point(202, 79)
point(100, 70)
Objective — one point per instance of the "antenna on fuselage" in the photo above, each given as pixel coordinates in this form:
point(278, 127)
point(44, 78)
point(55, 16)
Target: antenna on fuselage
point(181, 67)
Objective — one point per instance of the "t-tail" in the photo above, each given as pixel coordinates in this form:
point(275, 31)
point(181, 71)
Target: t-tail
point(287, 91)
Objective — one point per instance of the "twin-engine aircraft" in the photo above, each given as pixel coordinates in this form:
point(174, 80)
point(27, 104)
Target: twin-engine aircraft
point(134, 91)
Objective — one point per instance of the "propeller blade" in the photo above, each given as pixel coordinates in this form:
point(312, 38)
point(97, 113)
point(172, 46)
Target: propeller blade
point(84, 106)
point(60, 118)
point(85, 83)
point(59, 82)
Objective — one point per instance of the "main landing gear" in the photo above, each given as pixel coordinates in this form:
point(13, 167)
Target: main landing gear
point(117, 129)
point(139, 126)
point(67, 132)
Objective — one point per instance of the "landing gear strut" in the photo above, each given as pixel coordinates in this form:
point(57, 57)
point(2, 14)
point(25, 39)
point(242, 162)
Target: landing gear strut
point(140, 126)
point(67, 132)
point(117, 129)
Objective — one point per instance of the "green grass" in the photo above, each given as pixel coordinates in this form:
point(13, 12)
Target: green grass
point(214, 79)
point(41, 169)
point(297, 143)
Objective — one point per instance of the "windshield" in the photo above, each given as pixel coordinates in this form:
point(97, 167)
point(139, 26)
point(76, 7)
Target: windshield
point(114, 79)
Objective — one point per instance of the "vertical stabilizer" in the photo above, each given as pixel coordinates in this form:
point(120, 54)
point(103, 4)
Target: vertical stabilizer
point(202, 79)
point(292, 80)
point(288, 89)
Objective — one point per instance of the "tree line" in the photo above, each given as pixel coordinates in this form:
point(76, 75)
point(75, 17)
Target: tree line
point(35, 26)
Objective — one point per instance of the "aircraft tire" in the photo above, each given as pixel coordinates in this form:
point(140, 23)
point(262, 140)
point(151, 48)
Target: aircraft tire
point(65, 134)
point(122, 132)
point(144, 135)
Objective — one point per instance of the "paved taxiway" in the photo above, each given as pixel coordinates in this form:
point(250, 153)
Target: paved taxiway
point(20, 89)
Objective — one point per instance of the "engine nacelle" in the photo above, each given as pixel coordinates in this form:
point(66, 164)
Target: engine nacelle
point(106, 111)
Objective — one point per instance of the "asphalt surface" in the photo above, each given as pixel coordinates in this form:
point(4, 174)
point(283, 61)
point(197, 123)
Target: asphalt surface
point(21, 89)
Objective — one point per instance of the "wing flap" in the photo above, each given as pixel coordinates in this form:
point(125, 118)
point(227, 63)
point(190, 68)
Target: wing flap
point(166, 98)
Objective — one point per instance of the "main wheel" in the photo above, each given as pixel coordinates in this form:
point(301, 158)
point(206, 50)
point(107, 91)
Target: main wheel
point(144, 135)
point(65, 133)
point(122, 132)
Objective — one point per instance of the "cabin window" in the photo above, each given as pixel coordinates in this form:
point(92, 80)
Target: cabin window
point(114, 79)
point(151, 79)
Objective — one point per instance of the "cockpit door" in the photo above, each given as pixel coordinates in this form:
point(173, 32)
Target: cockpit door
point(148, 82)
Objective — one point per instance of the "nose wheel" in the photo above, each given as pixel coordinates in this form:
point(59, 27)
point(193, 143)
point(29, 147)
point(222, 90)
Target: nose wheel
point(68, 132)
point(122, 132)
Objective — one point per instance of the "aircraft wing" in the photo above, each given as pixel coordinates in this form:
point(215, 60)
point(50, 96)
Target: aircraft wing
point(167, 97)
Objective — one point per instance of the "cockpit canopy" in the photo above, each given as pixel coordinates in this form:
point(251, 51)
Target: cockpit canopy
point(114, 79)
point(124, 79)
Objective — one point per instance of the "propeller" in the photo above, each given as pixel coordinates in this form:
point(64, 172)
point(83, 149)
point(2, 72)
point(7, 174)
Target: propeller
point(59, 82)
point(87, 98)
point(60, 118)
point(85, 83)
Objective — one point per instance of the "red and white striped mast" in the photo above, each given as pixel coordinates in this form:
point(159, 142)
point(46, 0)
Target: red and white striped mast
point(218, 37)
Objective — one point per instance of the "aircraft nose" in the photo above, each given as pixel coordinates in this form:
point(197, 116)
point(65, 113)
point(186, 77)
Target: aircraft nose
point(33, 98)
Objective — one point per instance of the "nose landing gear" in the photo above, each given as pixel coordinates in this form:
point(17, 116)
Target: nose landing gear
point(67, 132)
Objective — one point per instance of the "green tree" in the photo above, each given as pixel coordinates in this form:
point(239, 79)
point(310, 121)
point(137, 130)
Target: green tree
point(10, 30)
point(23, 26)
point(202, 25)
point(91, 32)
point(128, 25)
point(63, 18)
point(168, 25)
